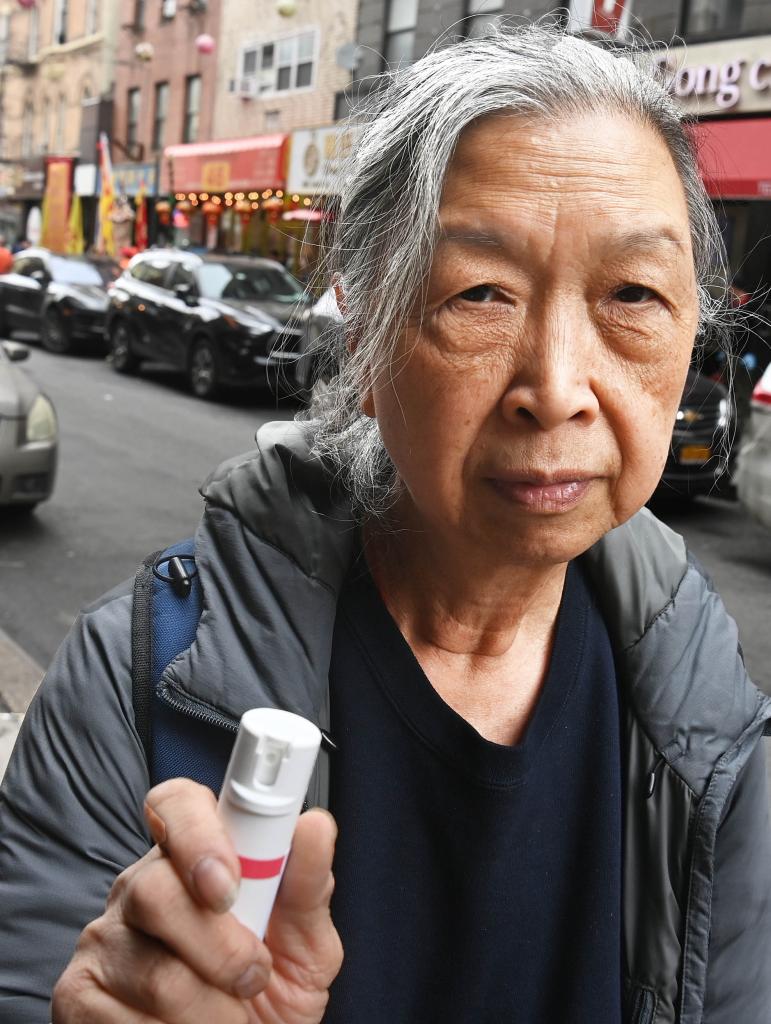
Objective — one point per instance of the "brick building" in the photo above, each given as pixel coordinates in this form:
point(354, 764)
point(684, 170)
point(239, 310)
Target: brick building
point(164, 85)
point(56, 70)
point(278, 73)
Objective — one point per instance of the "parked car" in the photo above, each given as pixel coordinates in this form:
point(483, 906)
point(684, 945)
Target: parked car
point(29, 434)
point(221, 320)
point(62, 300)
point(700, 455)
point(317, 321)
point(753, 470)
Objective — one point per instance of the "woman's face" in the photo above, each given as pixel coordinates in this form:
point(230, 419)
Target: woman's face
point(530, 404)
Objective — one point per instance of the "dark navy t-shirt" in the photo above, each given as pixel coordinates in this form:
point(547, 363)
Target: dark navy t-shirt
point(475, 882)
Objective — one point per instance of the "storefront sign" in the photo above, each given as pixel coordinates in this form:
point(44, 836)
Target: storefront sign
point(316, 158)
point(215, 176)
point(734, 76)
point(85, 180)
point(130, 179)
point(229, 165)
point(57, 203)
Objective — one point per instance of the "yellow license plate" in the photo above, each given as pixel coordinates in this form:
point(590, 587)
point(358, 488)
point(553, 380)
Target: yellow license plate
point(694, 454)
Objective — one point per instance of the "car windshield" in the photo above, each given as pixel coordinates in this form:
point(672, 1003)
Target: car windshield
point(66, 271)
point(241, 281)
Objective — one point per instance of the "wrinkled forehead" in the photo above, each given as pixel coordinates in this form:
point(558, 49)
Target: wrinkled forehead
point(596, 174)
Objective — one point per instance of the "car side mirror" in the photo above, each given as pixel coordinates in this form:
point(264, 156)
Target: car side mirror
point(40, 276)
point(16, 352)
point(187, 293)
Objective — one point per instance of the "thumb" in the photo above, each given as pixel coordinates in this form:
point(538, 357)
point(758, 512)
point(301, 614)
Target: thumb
point(307, 885)
point(305, 946)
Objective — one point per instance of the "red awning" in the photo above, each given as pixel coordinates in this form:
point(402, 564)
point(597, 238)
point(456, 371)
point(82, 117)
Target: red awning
point(229, 165)
point(735, 157)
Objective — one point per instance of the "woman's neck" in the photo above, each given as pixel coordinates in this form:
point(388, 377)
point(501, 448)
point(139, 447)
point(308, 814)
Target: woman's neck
point(458, 601)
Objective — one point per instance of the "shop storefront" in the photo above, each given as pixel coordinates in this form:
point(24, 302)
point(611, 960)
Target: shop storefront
point(226, 195)
point(727, 85)
point(135, 225)
point(317, 156)
point(22, 187)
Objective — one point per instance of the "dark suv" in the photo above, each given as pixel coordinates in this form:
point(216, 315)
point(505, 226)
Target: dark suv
point(60, 299)
point(221, 320)
point(699, 459)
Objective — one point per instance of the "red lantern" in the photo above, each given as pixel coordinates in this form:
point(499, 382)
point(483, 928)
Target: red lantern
point(205, 43)
point(244, 209)
point(185, 207)
point(163, 211)
point(27, 4)
point(212, 212)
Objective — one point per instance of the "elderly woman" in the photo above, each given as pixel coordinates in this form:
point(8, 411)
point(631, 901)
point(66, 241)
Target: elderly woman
point(548, 780)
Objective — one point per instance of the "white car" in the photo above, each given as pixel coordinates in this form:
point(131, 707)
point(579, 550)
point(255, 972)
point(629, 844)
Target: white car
point(29, 434)
point(753, 471)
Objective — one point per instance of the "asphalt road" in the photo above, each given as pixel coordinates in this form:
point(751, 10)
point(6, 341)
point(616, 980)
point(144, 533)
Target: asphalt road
point(133, 454)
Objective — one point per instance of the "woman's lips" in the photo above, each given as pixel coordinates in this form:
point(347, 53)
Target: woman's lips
point(554, 495)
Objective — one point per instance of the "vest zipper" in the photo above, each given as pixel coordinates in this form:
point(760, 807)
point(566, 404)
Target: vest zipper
point(189, 707)
point(652, 777)
point(671, 753)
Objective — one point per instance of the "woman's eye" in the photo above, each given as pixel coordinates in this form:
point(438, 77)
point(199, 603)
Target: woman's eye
point(479, 293)
point(633, 293)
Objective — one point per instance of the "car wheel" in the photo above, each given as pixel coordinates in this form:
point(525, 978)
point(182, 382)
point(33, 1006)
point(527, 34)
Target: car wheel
point(123, 359)
point(54, 336)
point(203, 372)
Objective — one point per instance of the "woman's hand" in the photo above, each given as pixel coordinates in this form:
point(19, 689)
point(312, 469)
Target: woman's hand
point(167, 950)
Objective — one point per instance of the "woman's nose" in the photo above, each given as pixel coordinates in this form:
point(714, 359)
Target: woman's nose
point(553, 379)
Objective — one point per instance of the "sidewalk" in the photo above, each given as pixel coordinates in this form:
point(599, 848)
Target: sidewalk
point(19, 677)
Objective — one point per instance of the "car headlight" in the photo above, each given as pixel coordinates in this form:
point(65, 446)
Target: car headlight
point(41, 421)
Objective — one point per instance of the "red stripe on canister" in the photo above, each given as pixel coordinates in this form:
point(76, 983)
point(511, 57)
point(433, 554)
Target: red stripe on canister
point(261, 868)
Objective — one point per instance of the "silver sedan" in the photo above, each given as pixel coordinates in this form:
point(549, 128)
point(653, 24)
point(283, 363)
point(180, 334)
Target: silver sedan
point(29, 434)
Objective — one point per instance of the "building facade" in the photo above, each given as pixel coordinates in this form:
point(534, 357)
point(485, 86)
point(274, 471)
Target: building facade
point(165, 80)
point(278, 73)
point(56, 66)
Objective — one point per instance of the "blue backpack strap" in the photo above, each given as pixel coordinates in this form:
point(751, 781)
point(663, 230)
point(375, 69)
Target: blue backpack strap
point(168, 601)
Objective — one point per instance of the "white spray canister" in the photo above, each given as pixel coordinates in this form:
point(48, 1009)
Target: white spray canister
point(260, 801)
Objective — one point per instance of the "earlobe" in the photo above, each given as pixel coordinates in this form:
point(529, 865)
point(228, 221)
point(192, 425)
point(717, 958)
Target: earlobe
point(367, 404)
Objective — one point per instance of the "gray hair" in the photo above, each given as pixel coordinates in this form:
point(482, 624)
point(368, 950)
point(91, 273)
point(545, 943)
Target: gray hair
point(382, 240)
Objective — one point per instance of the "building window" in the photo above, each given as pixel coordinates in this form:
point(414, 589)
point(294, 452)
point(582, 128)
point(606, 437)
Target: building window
point(192, 108)
point(5, 28)
point(482, 15)
point(138, 21)
point(278, 65)
point(61, 118)
point(400, 32)
point(725, 18)
point(92, 16)
point(45, 137)
point(27, 128)
point(133, 99)
point(61, 11)
point(33, 32)
point(168, 9)
point(658, 18)
point(272, 120)
point(161, 113)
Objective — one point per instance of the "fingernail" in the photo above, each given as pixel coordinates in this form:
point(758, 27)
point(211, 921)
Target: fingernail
point(215, 884)
point(252, 982)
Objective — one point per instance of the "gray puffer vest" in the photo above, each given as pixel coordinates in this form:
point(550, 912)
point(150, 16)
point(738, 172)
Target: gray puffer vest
point(272, 549)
